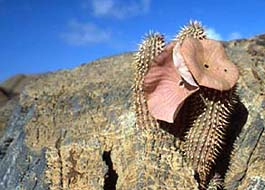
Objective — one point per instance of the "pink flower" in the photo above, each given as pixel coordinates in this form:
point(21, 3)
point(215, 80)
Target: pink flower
point(180, 70)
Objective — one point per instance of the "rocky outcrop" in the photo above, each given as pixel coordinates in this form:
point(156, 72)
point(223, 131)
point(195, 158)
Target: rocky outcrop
point(75, 129)
point(247, 161)
point(9, 92)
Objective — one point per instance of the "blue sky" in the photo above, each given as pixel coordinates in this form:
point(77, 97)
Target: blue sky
point(46, 35)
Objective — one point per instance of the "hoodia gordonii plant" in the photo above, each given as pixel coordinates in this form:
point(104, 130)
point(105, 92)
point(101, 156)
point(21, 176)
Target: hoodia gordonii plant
point(189, 84)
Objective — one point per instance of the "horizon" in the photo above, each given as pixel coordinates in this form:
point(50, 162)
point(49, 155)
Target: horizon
point(39, 37)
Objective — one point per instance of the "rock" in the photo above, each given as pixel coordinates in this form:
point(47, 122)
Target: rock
point(247, 161)
point(16, 84)
point(9, 90)
point(3, 97)
point(74, 129)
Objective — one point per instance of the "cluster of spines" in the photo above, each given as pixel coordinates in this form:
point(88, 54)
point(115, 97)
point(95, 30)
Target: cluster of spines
point(216, 183)
point(193, 29)
point(152, 45)
point(206, 128)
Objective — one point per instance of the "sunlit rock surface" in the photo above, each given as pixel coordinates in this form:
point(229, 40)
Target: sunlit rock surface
point(74, 129)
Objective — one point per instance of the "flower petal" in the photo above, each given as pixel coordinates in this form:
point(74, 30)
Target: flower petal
point(164, 88)
point(209, 64)
point(181, 66)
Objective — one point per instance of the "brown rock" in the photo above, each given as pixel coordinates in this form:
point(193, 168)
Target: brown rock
point(75, 129)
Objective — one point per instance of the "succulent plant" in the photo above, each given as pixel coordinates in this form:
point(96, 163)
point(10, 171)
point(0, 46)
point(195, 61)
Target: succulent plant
point(189, 82)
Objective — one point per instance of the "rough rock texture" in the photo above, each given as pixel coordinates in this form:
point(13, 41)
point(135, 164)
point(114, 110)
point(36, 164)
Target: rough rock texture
point(10, 90)
point(248, 160)
point(76, 130)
